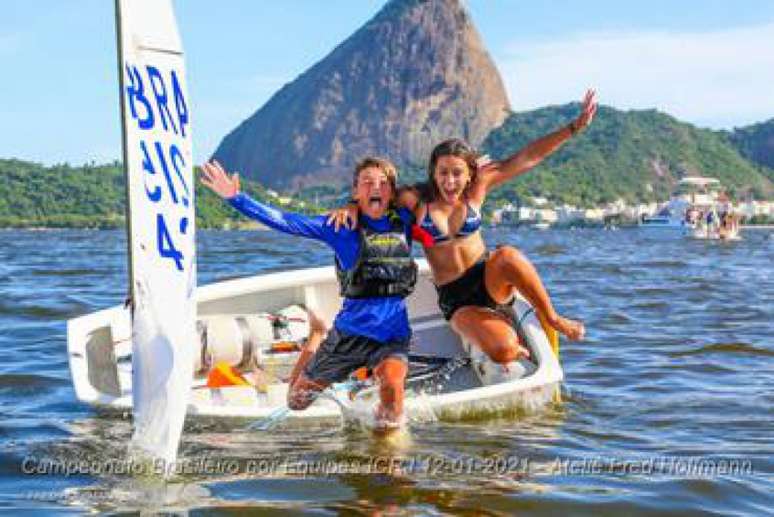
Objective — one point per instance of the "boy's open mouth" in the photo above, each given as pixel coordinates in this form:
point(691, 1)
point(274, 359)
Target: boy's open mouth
point(375, 202)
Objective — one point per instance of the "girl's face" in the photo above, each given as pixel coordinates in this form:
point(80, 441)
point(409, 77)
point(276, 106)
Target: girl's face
point(451, 176)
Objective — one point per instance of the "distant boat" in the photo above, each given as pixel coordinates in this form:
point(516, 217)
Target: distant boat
point(542, 225)
point(696, 209)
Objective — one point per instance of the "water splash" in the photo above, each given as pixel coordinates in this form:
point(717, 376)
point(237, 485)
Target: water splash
point(336, 392)
point(271, 421)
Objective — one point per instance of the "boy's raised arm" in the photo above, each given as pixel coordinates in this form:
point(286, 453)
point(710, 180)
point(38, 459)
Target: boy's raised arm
point(215, 177)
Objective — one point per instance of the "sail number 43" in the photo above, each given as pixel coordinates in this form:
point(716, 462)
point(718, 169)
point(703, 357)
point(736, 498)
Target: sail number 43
point(157, 105)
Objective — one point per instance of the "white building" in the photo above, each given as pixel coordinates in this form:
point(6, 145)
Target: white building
point(594, 214)
point(753, 208)
point(569, 213)
point(546, 215)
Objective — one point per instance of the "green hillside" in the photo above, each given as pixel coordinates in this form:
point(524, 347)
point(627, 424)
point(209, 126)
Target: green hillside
point(33, 195)
point(634, 155)
point(756, 142)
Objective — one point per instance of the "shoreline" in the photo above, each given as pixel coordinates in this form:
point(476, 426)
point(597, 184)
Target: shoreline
point(264, 228)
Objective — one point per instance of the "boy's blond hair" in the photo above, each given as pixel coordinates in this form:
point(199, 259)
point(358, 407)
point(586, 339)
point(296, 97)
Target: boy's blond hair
point(383, 164)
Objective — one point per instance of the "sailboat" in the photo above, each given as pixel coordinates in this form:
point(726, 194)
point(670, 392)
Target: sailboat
point(235, 321)
point(158, 162)
point(157, 356)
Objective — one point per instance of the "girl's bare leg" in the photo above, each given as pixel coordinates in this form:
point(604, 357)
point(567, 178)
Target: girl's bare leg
point(490, 331)
point(506, 270)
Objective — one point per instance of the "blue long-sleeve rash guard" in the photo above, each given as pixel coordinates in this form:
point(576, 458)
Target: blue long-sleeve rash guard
point(381, 318)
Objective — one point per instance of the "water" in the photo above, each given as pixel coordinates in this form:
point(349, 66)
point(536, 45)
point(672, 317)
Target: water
point(676, 376)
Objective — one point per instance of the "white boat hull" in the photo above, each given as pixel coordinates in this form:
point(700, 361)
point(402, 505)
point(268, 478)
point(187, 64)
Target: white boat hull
point(99, 345)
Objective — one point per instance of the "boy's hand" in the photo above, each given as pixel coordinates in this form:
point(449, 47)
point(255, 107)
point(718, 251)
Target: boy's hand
point(344, 217)
point(216, 179)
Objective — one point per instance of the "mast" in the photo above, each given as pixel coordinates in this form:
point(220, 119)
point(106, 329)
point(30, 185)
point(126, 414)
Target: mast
point(124, 159)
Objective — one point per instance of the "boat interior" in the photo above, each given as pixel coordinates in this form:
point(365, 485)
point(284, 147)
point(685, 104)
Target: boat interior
point(238, 324)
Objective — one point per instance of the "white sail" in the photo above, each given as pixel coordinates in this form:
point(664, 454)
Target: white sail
point(161, 224)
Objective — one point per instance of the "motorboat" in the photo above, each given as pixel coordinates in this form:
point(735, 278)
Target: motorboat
point(697, 209)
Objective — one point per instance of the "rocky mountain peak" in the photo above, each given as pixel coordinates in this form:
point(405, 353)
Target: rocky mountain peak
point(413, 75)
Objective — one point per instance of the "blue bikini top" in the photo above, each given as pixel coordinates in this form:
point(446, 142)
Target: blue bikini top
point(470, 226)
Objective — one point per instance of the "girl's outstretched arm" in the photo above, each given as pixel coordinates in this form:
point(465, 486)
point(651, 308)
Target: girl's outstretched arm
point(495, 173)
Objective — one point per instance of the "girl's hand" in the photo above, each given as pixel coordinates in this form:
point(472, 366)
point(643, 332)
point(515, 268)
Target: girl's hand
point(217, 179)
point(485, 165)
point(588, 110)
point(345, 217)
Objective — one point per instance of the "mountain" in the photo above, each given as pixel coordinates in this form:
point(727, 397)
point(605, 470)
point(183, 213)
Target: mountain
point(756, 142)
point(414, 74)
point(634, 155)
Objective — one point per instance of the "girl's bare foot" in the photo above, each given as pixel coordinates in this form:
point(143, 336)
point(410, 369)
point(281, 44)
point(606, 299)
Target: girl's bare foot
point(574, 330)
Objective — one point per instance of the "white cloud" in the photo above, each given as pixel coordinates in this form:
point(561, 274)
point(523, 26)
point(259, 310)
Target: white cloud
point(719, 79)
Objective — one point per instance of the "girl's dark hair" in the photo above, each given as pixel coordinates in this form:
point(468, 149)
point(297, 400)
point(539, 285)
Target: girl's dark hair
point(451, 147)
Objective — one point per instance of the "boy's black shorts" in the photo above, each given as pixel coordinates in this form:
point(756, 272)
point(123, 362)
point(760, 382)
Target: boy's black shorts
point(341, 354)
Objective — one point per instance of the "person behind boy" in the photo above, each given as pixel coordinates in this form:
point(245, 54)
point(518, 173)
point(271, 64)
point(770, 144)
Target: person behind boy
point(375, 272)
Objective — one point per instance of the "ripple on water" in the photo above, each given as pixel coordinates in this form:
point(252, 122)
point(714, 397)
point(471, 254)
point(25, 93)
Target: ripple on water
point(26, 381)
point(40, 310)
point(725, 348)
point(548, 250)
point(50, 272)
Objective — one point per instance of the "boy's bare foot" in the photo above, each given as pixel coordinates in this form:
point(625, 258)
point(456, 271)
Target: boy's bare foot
point(573, 329)
point(386, 421)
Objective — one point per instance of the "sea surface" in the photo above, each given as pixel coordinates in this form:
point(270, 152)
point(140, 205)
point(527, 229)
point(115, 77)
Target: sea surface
point(668, 405)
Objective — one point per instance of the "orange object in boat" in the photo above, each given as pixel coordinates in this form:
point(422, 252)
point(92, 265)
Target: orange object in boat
point(223, 374)
point(284, 346)
point(361, 374)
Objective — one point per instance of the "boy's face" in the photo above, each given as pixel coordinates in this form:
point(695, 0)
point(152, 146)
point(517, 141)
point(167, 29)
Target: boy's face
point(373, 192)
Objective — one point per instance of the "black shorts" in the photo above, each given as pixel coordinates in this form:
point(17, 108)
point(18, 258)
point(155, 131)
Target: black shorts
point(469, 289)
point(341, 354)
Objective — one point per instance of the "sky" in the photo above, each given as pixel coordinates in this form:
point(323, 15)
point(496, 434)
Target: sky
point(708, 62)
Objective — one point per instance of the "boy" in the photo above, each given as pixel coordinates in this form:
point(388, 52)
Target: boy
point(375, 272)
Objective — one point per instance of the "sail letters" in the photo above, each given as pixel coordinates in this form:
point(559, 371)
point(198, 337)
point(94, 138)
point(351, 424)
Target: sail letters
point(158, 108)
